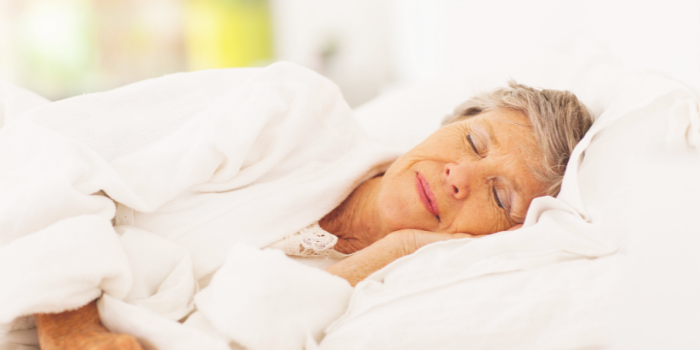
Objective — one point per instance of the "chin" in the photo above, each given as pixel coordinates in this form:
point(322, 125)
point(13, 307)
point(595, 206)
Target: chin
point(395, 212)
point(399, 205)
point(402, 214)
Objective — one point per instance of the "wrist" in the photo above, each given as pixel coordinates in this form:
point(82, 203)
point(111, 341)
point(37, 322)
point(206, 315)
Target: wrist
point(403, 242)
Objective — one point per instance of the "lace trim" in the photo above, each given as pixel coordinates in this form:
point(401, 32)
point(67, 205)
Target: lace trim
point(313, 241)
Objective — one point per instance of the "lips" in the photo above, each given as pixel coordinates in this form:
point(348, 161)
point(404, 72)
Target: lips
point(426, 195)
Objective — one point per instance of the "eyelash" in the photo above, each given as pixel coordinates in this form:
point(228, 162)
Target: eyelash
point(495, 193)
point(498, 198)
point(471, 142)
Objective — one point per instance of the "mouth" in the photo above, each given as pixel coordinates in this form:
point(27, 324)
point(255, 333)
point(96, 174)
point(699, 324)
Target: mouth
point(426, 195)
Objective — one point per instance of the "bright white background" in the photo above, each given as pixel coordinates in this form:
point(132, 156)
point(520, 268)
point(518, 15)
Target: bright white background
point(388, 42)
point(365, 46)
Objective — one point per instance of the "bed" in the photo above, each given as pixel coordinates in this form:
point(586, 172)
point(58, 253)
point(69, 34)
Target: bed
point(610, 263)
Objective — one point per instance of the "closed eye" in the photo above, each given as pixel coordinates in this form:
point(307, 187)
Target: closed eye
point(498, 198)
point(471, 142)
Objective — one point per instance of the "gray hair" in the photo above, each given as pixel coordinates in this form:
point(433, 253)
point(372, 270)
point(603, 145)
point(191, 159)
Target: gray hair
point(558, 120)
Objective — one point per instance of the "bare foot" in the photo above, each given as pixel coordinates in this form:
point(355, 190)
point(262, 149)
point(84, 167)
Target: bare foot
point(80, 329)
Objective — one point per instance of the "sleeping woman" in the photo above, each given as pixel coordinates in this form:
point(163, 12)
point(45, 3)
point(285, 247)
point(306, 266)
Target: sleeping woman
point(360, 207)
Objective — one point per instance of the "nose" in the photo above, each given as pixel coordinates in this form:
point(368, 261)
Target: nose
point(457, 179)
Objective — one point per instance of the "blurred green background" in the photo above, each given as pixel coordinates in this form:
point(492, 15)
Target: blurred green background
point(61, 48)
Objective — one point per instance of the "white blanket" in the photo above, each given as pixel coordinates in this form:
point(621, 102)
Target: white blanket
point(198, 163)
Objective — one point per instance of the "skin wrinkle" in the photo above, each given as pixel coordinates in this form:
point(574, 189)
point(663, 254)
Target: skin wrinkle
point(494, 151)
point(491, 135)
point(391, 202)
point(517, 213)
point(352, 225)
point(533, 164)
point(487, 149)
point(559, 120)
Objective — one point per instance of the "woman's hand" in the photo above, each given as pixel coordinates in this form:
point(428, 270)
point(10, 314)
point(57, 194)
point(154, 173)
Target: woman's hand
point(412, 240)
point(357, 267)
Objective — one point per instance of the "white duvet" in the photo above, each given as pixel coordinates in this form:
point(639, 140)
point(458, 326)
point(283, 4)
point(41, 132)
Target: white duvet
point(197, 163)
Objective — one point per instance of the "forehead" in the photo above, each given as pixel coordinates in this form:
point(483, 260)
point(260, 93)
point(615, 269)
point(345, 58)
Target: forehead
point(500, 120)
point(503, 130)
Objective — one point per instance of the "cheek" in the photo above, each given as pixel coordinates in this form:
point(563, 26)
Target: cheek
point(445, 145)
point(398, 207)
point(479, 218)
point(446, 149)
point(392, 203)
point(392, 213)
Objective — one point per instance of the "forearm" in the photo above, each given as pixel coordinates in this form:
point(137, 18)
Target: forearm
point(395, 245)
point(363, 263)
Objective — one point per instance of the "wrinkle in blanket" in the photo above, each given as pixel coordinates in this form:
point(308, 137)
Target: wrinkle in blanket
point(201, 161)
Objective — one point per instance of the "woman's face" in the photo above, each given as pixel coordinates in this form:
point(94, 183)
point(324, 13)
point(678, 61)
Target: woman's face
point(472, 176)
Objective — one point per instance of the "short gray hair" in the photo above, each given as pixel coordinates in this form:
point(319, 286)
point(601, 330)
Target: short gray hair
point(558, 120)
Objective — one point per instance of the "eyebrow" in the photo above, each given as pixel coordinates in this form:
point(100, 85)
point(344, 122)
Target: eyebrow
point(489, 130)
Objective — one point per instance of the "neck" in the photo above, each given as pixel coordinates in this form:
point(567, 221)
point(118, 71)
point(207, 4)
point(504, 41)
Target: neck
point(356, 220)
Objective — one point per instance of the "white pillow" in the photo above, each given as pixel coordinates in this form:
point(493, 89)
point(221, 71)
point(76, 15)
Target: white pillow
point(552, 284)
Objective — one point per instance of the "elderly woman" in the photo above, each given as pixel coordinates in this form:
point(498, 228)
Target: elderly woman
point(474, 176)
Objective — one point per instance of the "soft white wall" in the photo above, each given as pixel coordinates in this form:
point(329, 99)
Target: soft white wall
point(421, 39)
point(5, 54)
point(357, 30)
point(656, 34)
